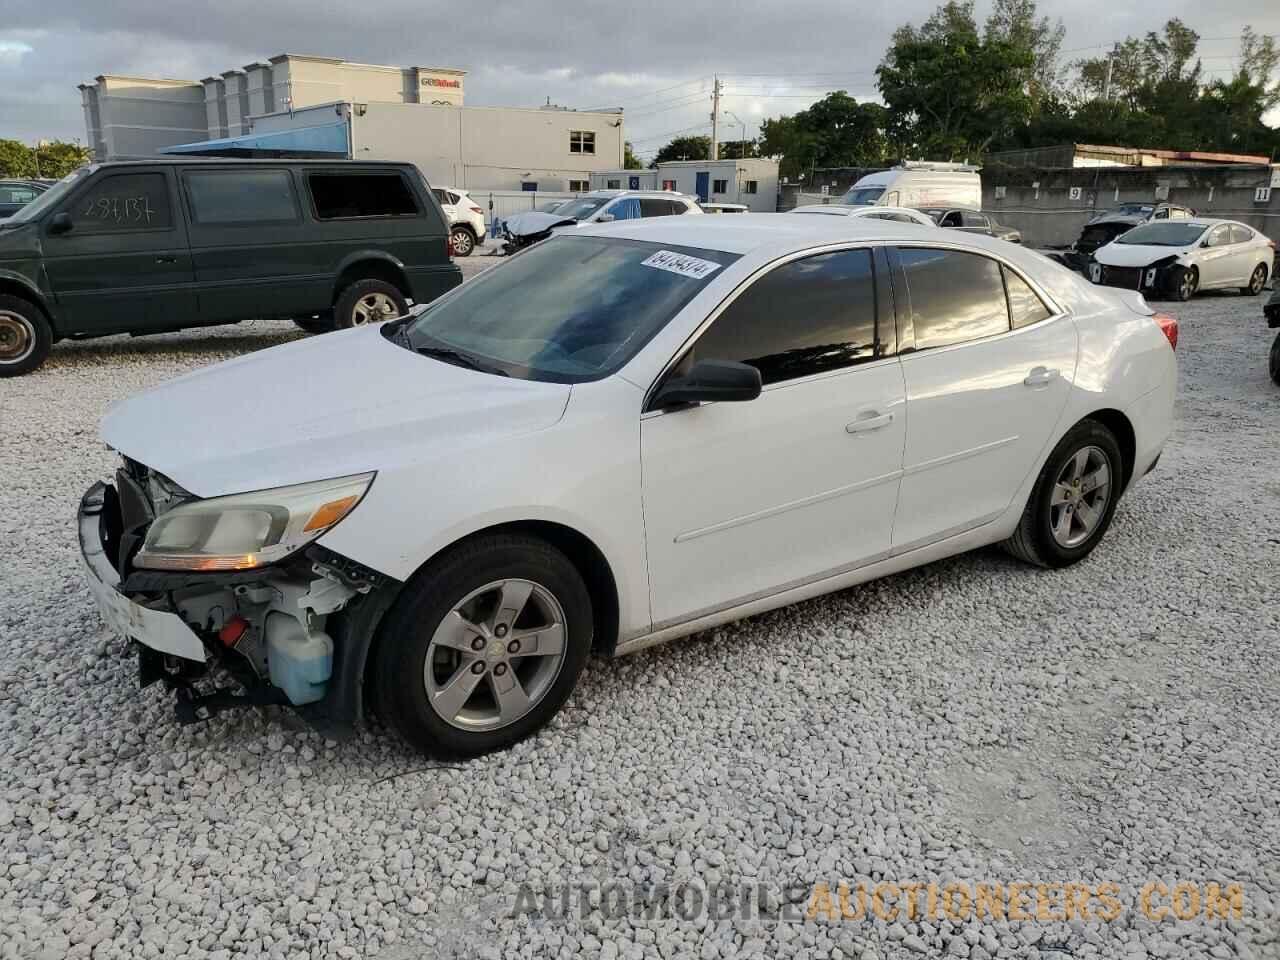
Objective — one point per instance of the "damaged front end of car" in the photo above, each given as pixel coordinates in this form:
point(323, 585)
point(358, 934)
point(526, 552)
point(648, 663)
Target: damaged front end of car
point(1162, 278)
point(229, 600)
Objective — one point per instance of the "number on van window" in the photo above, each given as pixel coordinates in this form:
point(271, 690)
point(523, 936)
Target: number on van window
point(136, 201)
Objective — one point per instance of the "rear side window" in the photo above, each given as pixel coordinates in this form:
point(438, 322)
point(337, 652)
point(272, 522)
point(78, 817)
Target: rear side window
point(657, 207)
point(1240, 234)
point(242, 196)
point(339, 196)
point(1025, 308)
point(11, 193)
point(808, 316)
point(973, 219)
point(121, 203)
point(954, 296)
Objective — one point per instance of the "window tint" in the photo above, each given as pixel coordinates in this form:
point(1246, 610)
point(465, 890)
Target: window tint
point(16, 193)
point(242, 196)
point(954, 296)
point(805, 317)
point(340, 195)
point(951, 219)
point(1240, 234)
point(1220, 236)
point(132, 201)
point(972, 219)
point(657, 207)
point(628, 208)
point(1025, 307)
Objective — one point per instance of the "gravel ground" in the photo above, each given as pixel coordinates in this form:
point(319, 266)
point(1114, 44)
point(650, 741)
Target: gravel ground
point(971, 721)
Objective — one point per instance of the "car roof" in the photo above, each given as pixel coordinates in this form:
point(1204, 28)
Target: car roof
point(637, 193)
point(248, 162)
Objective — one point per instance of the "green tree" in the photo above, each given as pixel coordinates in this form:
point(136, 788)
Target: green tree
point(836, 131)
point(54, 158)
point(629, 160)
point(950, 92)
point(684, 148)
point(1016, 22)
point(16, 159)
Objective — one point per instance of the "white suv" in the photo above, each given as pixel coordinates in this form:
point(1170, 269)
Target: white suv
point(466, 219)
point(598, 206)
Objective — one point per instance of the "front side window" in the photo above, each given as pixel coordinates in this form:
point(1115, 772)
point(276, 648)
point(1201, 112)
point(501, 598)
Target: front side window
point(719, 186)
point(567, 310)
point(1025, 308)
point(123, 202)
point(954, 296)
point(582, 141)
point(972, 219)
point(1220, 236)
point(53, 195)
point(804, 317)
point(242, 196)
point(339, 196)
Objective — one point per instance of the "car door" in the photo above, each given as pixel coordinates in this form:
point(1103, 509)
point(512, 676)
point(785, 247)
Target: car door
point(1245, 254)
point(983, 393)
point(742, 500)
point(1214, 259)
point(255, 253)
point(124, 263)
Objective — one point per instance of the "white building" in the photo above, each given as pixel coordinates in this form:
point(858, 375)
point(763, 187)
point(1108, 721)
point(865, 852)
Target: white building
point(326, 107)
point(751, 182)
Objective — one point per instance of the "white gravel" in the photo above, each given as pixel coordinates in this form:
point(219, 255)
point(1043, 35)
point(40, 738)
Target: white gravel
point(974, 719)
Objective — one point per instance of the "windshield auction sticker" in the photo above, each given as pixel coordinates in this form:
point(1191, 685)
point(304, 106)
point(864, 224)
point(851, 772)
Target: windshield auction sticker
point(682, 264)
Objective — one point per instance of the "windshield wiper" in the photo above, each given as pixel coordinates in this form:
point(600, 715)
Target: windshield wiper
point(459, 359)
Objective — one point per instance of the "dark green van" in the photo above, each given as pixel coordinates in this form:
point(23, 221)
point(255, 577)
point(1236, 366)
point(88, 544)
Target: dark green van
point(154, 246)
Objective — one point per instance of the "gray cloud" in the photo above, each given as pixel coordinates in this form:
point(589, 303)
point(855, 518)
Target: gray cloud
point(654, 59)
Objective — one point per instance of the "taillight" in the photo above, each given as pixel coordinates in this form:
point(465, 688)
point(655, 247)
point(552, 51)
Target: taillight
point(477, 210)
point(1168, 326)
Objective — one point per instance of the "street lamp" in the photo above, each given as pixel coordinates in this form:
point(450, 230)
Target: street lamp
point(742, 144)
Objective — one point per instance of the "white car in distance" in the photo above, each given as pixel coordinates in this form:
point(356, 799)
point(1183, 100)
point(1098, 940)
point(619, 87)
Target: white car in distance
point(896, 214)
point(1178, 258)
point(466, 219)
point(626, 434)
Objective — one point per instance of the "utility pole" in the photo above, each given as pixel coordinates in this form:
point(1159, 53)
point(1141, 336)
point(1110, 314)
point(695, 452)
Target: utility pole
point(715, 118)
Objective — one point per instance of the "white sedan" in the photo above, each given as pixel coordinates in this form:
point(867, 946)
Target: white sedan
point(626, 434)
point(1177, 258)
point(896, 214)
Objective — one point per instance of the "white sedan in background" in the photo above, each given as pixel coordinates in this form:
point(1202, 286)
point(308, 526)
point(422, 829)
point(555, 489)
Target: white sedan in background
point(628, 433)
point(1177, 258)
point(896, 214)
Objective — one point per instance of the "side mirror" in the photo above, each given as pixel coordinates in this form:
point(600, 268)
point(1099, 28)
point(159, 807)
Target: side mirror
point(60, 223)
point(606, 218)
point(710, 380)
point(1205, 243)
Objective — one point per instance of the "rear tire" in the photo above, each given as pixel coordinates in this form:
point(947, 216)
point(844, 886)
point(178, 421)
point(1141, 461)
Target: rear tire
point(1275, 360)
point(447, 635)
point(463, 240)
point(25, 336)
point(1257, 281)
point(368, 301)
point(1073, 500)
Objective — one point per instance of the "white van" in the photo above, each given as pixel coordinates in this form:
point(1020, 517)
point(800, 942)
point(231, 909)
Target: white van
point(917, 184)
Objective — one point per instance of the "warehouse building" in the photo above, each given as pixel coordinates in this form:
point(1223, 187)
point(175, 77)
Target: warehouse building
point(752, 182)
point(301, 106)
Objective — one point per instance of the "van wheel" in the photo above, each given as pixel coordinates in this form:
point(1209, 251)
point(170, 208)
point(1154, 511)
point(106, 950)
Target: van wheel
point(321, 323)
point(483, 646)
point(25, 336)
point(463, 241)
point(368, 301)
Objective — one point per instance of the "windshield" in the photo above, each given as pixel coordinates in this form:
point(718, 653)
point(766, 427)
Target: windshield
point(1164, 234)
point(581, 209)
point(567, 310)
point(551, 207)
point(862, 196)
point(50, 197)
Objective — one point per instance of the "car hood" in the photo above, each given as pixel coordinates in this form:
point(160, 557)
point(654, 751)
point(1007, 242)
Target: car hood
point(1134, 254)
point(1133, 219)
point(534, 221)
point(328, 406)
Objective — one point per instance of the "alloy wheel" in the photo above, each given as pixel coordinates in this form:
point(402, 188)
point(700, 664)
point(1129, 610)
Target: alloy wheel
point(462, 242)
point(1187, 285)
point(496, 655)
point(1080, 494)
point(373, 308)
point(1258, 280)
point(17, 337)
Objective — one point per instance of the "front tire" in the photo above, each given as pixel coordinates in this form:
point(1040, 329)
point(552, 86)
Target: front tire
point(1073, 500)
point(1275, 360)
point(368, 301)
point(463, 241)
point(483, 647)
point(1257, 281)
point(1186, 281)
point(25, 336)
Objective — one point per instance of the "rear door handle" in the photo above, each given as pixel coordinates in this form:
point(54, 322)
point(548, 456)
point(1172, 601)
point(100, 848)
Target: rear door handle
point(1040, 377)
point(868, 420)
point(166, 259)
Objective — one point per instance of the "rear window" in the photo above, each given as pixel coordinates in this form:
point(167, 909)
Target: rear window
point(242, 196)
point(862, 196)
point(340, 196)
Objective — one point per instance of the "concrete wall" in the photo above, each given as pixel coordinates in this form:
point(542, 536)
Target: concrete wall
point(618, 179)
point(132, 117)
point(306, 81)
point(1049, 217)
point(490, 148)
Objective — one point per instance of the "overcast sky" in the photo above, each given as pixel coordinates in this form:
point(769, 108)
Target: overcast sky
point(654, 59)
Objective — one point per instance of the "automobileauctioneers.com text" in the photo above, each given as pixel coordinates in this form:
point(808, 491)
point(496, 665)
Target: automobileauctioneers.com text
point(886, 901)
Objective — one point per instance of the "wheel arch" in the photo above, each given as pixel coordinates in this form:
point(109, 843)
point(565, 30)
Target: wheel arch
point(1122, 429)
point(15, 287)
point(370, 265)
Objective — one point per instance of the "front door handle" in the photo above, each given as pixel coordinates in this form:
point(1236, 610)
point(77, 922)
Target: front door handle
point(869, 420)
point(1040, 377)
point(166, 259)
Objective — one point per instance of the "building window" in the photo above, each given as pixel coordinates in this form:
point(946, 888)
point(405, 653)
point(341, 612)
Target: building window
point(719, 186)
point(749, 186)
point(668, 185)
point(582, 141)
point(613, 184)
point(579, 186)
point(529, 186)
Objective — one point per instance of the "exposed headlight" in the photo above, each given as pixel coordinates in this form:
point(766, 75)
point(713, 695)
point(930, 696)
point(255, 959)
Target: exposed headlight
point(248, 530)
